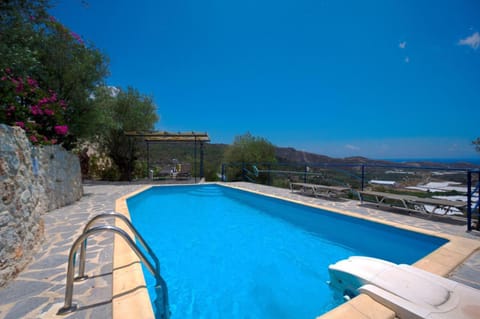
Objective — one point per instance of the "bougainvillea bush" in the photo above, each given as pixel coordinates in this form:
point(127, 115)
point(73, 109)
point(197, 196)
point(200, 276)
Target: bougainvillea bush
point(38, 111)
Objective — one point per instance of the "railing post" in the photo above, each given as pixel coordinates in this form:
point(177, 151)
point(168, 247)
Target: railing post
point(305, 170)
point(148, 159)
point(363, 176)
point(224, 179)
point(469, 201)
point(202, 172)
point(269, 175)
point(478, 201)
point(244, 177)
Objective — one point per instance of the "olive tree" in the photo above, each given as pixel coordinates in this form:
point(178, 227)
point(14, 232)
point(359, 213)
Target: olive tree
point(248, 149)
point(122, 111)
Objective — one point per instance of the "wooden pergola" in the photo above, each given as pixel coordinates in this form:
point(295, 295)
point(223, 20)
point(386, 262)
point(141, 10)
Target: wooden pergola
point(168, 137)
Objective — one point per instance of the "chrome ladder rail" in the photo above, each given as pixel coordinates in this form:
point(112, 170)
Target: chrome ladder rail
point(83, 249)
point(154, 270)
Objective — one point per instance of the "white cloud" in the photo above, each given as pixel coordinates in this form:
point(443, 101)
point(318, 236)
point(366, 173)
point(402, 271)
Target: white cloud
point(113, 90)
point(402, 45)
point(407, 59)
point(352, 147)
point(472, 41)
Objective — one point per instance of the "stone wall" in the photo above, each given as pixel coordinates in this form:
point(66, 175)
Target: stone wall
point(33, 180)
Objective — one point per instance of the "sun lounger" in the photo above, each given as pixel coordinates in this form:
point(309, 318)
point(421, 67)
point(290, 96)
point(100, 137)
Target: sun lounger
point(318, 190)
point(412, 203)
point(410, 292)
point(185, 172)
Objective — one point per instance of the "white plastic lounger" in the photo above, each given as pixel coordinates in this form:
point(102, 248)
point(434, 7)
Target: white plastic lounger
point(409, 291)
point(318, 190)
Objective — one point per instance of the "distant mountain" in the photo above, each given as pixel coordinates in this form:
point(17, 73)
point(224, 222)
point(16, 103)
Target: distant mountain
point(214, 155)
point(291, 155)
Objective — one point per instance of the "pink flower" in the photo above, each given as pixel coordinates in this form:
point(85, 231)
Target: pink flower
point(48, 112)
point(8, 70)
point(21, 124)
point(43, 101)
point(35, 110)
point(32, 82)
point(76, 37)
point(19, 87)
point(53, 98)
point(61, 129)
point(33, 139)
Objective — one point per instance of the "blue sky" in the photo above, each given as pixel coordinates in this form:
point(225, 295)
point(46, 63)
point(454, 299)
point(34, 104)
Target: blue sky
point(381, 79)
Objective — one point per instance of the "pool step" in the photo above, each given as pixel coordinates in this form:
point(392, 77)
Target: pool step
point(207, 191)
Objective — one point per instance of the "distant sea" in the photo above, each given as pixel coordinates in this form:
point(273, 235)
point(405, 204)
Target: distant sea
point(475, 161)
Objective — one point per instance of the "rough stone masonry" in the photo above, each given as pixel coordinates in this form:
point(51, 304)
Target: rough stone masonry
point(33, 181)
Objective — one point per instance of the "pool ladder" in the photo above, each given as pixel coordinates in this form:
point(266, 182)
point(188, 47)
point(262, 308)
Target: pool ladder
point(161, 305)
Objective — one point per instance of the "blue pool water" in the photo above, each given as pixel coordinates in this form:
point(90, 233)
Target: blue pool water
point(227, 253)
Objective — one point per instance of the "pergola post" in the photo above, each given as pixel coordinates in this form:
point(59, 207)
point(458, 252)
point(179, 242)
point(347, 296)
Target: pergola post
point(148, 158)
point(195, 160)
point(201, 161)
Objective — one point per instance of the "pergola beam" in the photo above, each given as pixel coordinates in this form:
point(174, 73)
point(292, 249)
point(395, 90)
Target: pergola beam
point(163, 136)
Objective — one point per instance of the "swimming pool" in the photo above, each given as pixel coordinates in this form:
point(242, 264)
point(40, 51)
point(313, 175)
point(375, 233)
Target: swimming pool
point(226, 252)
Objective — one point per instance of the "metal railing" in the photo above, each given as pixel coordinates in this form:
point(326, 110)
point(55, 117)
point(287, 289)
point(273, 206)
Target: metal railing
point(83, 249)
point(353, 175)
point(88, 231)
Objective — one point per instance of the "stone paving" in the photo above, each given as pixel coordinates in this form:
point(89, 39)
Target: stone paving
point(39, 290)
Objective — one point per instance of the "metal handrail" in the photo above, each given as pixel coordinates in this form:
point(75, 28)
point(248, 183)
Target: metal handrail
point(83, 249)
point(69, 307)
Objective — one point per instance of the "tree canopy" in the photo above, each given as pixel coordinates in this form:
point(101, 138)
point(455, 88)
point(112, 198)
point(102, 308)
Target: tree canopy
point(249, 149)
point(123, 110)
point(34, 44)
point(53, 86)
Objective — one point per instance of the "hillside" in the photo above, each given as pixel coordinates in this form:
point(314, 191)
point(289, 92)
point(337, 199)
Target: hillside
point(291, 155)
point(164, 153)
point(161, 155)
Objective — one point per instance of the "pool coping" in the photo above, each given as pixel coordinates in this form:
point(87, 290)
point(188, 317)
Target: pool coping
point(130, 297)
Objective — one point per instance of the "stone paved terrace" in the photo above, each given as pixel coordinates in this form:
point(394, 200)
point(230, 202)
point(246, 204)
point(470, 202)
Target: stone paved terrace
point(38, 291)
